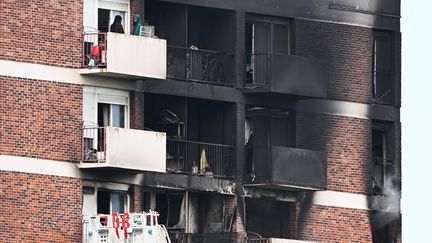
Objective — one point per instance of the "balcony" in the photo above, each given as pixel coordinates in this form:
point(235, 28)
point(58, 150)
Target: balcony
point(287, 168)
point(202, 66)
point(199, 158)
point(285, 74)
point(181, 237)
point(109, 147)
point(123, 56)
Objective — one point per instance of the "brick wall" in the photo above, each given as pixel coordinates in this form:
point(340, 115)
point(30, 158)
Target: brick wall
point(347, 53)
point(136, 7)
point(40, 208)
point(331, 224)
point(44, 32)
point(40, 119)
point(136, 110)
point(347, 142)
point(234, 205)
point(137, 203)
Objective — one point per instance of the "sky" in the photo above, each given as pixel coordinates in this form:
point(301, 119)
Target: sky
point(416, 118)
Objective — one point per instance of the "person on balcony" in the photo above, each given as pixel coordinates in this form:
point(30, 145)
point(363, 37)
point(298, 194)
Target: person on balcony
point(136, 25)
point(117, 26)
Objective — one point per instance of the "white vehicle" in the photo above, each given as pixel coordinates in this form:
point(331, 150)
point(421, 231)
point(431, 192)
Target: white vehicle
point(124, 228)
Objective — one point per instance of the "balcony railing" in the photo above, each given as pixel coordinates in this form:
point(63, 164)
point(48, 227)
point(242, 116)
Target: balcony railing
point(199, 158)
point(381, 175)
point(94, 49)
point(181, 237)
point(203, 66)
point(123, 148)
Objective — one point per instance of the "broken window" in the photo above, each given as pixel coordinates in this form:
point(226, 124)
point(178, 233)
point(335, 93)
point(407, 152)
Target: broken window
point(105, 200)
point(265, 128)
point(264, 37)
point(383, 81)
point(382, 170)
point(267, 218)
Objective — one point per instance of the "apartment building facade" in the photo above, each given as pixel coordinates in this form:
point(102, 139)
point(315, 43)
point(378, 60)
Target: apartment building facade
point(238, 121)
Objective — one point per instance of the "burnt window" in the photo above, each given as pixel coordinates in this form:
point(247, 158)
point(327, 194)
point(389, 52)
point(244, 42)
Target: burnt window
point(264, 37)
point(382, 161)
point(383, 71)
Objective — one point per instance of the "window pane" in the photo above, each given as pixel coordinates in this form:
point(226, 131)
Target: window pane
point(117, 202)
point(118, 115)
point(103, 202)
point(280, 39)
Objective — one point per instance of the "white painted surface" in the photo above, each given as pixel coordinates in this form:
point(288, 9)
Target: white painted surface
point(136, 55)
point(340, 199)
point(90, 15)
point(133, 149)
point(38, 166)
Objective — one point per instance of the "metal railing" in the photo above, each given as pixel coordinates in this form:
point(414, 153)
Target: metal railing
point(94, 46)
point(181, 237)
point(257, 240)
point(187, 156)
point(200, 65)
point(93, 145)
point(382, 173)
point(257, 69)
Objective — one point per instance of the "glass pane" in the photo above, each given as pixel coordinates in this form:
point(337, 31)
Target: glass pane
point(117, 202)
point(280, 39)
point(118, 115)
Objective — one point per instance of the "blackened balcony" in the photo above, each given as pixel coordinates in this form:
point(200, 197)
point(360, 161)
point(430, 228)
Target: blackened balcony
point(110, 147)
point(285, 74)
point(123, 56)
point(203, 66)
point(383, 87)
point(199, 158)
point(288, 168)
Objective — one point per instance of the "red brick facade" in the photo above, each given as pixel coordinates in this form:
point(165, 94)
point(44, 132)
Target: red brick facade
point(41, 119)
point(43, 32)
point(40, 208)
point(331, 224)
point(347, 142)
point(347, 53)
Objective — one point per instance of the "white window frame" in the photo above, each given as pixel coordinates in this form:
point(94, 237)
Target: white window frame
point(110, 187)
point(91, 20)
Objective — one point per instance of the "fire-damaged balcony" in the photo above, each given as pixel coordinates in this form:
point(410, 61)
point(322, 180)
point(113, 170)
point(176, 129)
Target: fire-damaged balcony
point(285, 74)
point(273, 162)
point(109, 147)
point(123, 56)
point(203, 66)
point(199, 158)
point(289, 168)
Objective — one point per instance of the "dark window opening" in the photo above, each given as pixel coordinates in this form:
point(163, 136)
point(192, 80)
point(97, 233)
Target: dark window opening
point(267, 218)
point(383, 166)
point(383, 71)
point(111, 115)
point(170, 206)
point(263, 39)
point(265, 128)
point(109, 202)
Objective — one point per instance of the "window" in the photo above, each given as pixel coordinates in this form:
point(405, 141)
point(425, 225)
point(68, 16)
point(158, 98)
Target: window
point(264, 37)
point(105, 198)
point(382, 171)
point(100, 14)
point(383, 90)
point(111, 115)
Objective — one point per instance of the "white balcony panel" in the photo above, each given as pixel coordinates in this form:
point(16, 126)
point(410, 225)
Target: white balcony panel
point(132, 149)
point(132, 57)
